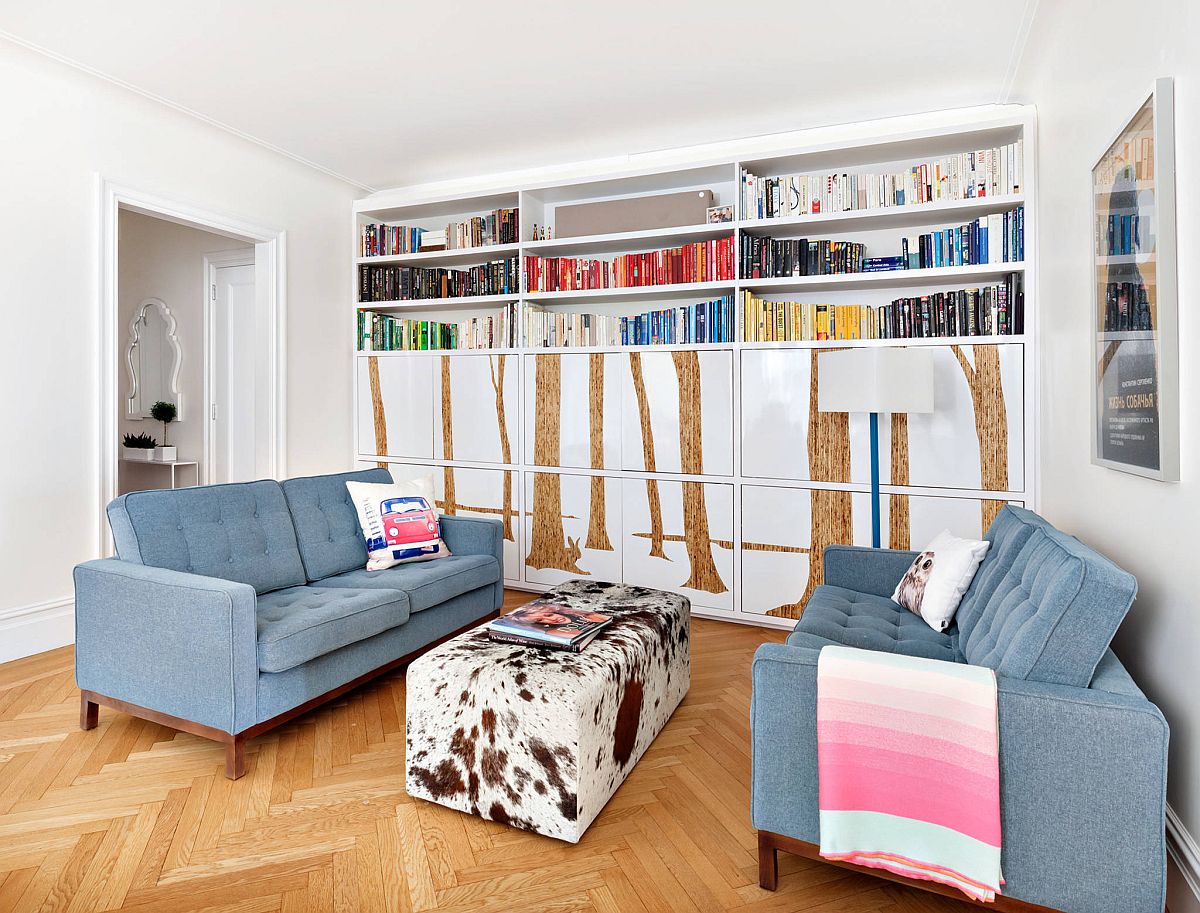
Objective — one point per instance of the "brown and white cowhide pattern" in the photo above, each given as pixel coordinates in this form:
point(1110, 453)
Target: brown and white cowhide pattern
point(541, 739)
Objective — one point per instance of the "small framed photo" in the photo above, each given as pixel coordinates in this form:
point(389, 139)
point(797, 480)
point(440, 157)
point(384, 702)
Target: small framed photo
point(720, 214)
point(1135, 310)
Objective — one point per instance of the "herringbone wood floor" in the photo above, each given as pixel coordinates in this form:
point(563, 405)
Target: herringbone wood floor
point(134, 816)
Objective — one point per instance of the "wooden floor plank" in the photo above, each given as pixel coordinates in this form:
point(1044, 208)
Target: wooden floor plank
point(134, 817)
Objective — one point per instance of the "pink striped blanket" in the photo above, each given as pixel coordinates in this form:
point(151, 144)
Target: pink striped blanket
point(908, 760)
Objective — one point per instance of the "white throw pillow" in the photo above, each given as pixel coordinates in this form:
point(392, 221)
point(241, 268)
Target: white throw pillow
point(399, 521)
point(934, 585)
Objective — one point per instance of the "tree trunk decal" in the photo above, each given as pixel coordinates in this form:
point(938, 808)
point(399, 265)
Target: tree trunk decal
point(548, 545)
point(378, 415)
point(653, 501)
point(832, 511)
point(497, 369)
point(991, 424)
point(704, 574)
point(451, 503)
point(899, 525)
point(597, 534)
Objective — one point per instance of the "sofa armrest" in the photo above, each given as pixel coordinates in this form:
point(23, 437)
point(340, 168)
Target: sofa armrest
point(1082, 783)
point(476, 536)
point(181, 644)
point(867, 570)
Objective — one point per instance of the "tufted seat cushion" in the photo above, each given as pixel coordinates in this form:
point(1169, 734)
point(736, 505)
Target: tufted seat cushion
point(427, 583)
point(327, 528)
point(241, 532)
point(301, 623)
point(835, 615)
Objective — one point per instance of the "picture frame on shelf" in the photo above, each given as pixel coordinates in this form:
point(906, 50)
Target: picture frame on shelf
point(1135, 295)
point(719, 214)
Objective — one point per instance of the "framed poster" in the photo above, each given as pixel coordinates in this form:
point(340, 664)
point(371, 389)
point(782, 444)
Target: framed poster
point(1135, 305)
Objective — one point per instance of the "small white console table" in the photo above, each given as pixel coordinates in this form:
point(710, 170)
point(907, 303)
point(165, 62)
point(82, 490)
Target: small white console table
point(145, 475)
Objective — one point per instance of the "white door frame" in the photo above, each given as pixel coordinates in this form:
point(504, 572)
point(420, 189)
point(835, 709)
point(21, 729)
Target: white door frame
point(270, 292)
point(212, 262)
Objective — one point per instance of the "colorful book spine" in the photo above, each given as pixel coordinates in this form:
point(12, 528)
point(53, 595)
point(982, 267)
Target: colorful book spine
point(766, 258)
point(408, 283)
point(996, 238)
point(386, 333)
point(381, 239)
point(706, 322)
point(704, 261)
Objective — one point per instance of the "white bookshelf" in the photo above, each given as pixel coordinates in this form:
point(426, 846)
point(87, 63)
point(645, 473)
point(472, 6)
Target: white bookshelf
point(536, 196)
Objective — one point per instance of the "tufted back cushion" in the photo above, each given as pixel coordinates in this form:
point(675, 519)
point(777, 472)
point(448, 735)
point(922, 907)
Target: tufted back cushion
point(239, 532)
point(327, 529)
point(1047, 607)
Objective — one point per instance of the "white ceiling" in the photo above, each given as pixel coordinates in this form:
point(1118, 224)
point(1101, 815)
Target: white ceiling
point(390, 93)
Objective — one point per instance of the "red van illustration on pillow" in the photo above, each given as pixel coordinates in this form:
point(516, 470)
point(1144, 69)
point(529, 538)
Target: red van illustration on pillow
point(408, 521)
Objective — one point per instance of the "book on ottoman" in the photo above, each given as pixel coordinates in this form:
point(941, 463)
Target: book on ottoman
point(545, 623)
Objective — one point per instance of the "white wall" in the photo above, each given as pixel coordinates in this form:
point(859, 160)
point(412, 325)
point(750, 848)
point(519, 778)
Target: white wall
point(59, 128)
point(1088, 66)
point(161, 259)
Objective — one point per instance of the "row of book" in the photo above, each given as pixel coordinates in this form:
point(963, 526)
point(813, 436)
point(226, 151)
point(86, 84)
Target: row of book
point(386, 333)
point(997, 238)
point(380, 239)
point(709, 321)
point(764, 258)
point(964, 176)
point(704, 261)
point(1127, 307)
point(1120, 235)
point(410, 283)
point(994, 310)
point(1132, 161)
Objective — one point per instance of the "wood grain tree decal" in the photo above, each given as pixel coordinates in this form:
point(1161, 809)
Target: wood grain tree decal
point(991, 424)
point(497, 369)
point(653, 499)
point(828, 461)
point(378, 415)
point(597, 534)
point(704, 574)
point(548, 544)
point(450, 506)
point(899, 525)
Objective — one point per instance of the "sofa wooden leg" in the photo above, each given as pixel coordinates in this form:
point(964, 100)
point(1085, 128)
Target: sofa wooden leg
point(235, 758)
point(89, 712)
point(768, 863)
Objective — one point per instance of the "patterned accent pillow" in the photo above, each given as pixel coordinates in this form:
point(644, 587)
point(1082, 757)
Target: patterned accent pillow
point(935, 583)
point(399, 522)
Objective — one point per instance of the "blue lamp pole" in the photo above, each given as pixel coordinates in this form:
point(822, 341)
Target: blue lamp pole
point(875, 524)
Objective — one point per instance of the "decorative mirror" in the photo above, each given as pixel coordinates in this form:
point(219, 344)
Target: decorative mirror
point(152, 358)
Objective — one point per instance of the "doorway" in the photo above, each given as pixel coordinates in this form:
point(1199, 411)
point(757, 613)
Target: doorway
point(241, 294)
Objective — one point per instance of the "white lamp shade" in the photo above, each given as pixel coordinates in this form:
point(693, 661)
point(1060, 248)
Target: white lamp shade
point(879, 379)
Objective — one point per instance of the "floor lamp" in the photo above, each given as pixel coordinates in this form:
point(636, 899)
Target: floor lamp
point(877, 379)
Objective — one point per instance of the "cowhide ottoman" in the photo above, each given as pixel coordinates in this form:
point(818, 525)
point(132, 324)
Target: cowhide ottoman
point(541, 739)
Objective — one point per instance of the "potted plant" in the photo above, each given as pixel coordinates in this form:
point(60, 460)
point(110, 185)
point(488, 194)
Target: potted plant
point(166, 413)
point(140, 447)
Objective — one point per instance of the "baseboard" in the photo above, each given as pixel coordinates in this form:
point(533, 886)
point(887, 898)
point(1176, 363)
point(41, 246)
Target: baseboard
point(29, 629)
point(1183, 892)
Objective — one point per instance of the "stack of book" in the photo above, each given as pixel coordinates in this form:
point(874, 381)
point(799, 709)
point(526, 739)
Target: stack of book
point(498, 227)
point(994, 310)
point(433, 240)
point(549, 625)
point(998, 238)
point(385, 333)
point(765, 258)
point(377, 239)
point(705, 261)
point(967, 175)
point(409, 283)
point(709, 321)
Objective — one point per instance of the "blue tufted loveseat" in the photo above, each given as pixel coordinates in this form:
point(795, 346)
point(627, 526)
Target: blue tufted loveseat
point(1083, 754)
point(230, 609)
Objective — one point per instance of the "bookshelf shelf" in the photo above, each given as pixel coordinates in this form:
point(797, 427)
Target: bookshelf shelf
point(437, 304)
point(678, 292)
point(476, 422)
point(455, 256)
point(898, 279)
point(890, 217)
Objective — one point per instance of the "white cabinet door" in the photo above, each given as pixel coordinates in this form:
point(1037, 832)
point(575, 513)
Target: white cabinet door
point(572, 527)
point(475, 410)
point(677, 412)
point(573, 410)
point(395, 406)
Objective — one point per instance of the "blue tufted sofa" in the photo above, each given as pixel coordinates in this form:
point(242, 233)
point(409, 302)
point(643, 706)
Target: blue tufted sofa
point(1083, 754)
point(231, 609)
